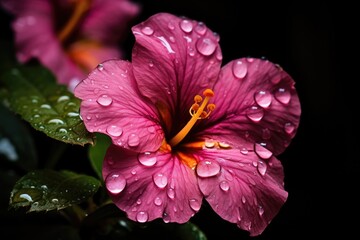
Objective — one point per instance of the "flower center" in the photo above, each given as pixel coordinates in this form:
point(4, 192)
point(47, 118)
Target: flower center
point(197, 112)
point(81, 7)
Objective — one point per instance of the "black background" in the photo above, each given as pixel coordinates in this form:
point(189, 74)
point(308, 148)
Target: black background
point(312, 42)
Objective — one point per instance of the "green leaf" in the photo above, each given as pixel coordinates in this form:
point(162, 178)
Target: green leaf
point(45, 190)
point(32, 92)
point(97, 152)
point(16, 143)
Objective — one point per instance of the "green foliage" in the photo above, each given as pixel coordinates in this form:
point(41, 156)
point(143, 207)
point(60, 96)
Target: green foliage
point(97, 152)
point(45, 190)
point(32, 92)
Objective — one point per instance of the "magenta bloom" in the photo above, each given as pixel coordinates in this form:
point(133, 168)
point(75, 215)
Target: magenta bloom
point(70, 37)
point(184, 129)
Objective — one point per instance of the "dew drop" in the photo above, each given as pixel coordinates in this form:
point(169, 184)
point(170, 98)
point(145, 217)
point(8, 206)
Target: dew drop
point(114, 130)
point(160, 180)
point(224, 145)
point(166, 217)
point(63, 98)
point(133, 140)
point(147, 159)
point(243, 199)
point(27, 197)
point(186, 25)
point(239, 69)
point(262, 152)
point(262, 167)
point(56, 121)
point(209, 143)
point(195, 204)
point(55, 200)
point(205, 46)
point(263, 98)
point(100, 67)
point(224, 185)
point(201, 28)
point(283, 96)
point(207, 168)
point(142, 217)
point(289, 128)
point(115, 183)
point(171, 193)
point(171, 26)
point(255, 113)
point(158, 201)
point(244, 150)
point(62, 130)
point(104, 100)
point(45, 106)
point(260, 210)
point(147, 30)
point(151, 129)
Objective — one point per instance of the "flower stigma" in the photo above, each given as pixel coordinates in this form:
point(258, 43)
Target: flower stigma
point(197, 112)
point(81, 7)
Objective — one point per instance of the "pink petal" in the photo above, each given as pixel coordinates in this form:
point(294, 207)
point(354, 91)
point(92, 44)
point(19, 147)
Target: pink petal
point(151, 185)
point(108, 20)
point(246, 189)
point(113, 106)
point(255, 101)
point(174, 59)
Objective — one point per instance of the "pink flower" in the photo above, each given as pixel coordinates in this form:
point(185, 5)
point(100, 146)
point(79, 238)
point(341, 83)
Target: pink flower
point(184, 129)
point(70, 37)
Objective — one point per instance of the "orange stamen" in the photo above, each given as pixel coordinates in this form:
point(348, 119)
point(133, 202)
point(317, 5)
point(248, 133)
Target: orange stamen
point(197, 112)
point(81, 7)
point(189, 160)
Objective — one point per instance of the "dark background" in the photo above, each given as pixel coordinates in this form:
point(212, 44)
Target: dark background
point(312, 42)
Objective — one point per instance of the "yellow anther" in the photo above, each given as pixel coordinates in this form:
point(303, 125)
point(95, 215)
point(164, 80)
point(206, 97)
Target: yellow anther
point(197, 112)
point(197, 98)
point(208, 93)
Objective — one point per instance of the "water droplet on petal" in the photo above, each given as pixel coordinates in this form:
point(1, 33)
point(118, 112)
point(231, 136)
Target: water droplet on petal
point(160, 180)
point(151, 129)
point(158, 201)
point(207, 168)
point(133, 140)
point(171, 193)
point(206, 46)
point(261, 210)
point(201, 28)
point(262, 167)
point(166, 217)
point(142, 217)
point(114, 130)
point(224, 185)
point(209, 143)
point(115, 183)
point(147, 30)
point(283, 96)
point(195, 204)
point(171, 26)
point(100, 67)
point(147, 159)
point(239, 69)
point(263, 98)
point(244, 150)
point(224, 145)
point(289, 128)
point(104, 100)
point(243, 199)
point(186, 25)
point(255, 113)
point(262, 152)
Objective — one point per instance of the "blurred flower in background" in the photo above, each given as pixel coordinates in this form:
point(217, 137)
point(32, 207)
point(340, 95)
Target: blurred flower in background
point(70, 37)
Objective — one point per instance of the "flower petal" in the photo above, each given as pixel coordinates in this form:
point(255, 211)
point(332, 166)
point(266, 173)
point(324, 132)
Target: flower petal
point(152, 185)
point(175, 59)
point(246, 189)
point(255, 101)
point(113, 106)
point(107, 20)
